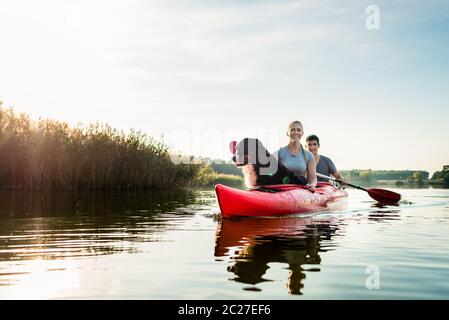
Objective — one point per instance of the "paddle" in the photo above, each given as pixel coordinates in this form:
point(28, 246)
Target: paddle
point(380, 195)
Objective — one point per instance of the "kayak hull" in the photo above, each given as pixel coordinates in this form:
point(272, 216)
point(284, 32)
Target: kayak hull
point(289, 199)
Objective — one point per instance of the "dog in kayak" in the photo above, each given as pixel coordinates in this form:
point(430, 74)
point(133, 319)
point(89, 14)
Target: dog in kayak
point(260, 167)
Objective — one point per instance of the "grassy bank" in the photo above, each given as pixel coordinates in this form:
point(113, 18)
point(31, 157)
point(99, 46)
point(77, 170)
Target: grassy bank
point(208, 177)
point(49, 154)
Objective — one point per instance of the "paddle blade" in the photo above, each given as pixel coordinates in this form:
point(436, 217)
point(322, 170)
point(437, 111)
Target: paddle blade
point(233, 147)
point(384, 196)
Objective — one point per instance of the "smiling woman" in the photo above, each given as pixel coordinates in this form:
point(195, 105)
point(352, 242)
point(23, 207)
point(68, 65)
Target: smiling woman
point(295, 157)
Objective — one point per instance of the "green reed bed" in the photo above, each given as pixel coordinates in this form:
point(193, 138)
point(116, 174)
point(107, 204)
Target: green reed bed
point(48, 154)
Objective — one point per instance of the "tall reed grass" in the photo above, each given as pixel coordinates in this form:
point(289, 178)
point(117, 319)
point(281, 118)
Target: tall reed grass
point(47, 154)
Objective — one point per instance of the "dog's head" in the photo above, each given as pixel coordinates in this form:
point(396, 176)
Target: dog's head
point(259, 166)
point(251, 151)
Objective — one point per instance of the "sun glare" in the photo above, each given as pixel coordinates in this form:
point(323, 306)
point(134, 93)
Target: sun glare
point(41, 279)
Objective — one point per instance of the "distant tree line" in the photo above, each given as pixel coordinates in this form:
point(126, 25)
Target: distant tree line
point(372, 175)
point(51, 154)
point(356, 174)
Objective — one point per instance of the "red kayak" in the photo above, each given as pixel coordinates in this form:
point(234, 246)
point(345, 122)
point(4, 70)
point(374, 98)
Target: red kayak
point(276, 200)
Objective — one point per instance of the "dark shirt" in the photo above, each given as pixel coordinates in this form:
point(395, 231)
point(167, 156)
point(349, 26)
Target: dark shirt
point(325, 166)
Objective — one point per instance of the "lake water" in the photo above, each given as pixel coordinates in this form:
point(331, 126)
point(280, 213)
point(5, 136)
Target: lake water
point(156, 246)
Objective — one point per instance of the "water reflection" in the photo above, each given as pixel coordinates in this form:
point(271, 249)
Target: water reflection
point(384, 215)
point(254, 243)
point(65, 224)
point(43, 204)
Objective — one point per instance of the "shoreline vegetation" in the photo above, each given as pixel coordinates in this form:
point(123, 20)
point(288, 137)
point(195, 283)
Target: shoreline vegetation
point(408, 178)
point(51, 155)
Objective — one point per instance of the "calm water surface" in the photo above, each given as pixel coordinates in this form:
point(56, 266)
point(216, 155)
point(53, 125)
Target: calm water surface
point(156, 246)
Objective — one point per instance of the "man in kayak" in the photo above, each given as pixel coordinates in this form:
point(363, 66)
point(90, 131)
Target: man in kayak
point(260, 167)
point(324, 165)
point(295, 157)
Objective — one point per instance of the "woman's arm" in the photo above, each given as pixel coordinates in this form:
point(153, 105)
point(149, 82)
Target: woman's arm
point(311, 172)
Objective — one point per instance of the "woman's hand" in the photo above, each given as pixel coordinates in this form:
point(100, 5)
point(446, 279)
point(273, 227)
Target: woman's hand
point(310, 187)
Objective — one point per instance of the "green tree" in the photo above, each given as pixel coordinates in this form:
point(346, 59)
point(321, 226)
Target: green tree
point(365, 175)
point(417, 176)
point(446, 179)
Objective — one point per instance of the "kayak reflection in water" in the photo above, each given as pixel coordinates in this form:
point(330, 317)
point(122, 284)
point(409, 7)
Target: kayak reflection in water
point(253, 243)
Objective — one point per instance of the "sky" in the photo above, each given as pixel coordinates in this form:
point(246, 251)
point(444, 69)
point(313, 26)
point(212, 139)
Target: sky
point(373, 85)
